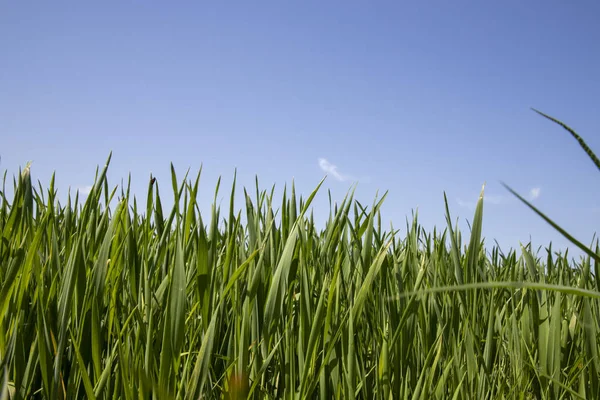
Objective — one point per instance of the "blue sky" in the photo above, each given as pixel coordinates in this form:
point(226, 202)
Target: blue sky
point(416, 98)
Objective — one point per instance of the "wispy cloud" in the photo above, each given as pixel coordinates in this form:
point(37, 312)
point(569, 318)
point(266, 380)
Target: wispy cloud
point(332, 170)
point(487, 199)
point(494, 199)
point(466, 204)
point(85, 190)
point(534, 193)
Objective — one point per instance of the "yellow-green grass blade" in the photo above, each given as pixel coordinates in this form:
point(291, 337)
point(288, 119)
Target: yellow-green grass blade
point(590, 327)
point(315, 330)
point(65, 306)
point(201, 369)
point(174, 322)
point(365, 289)
point(280, 277)
point(351, 359)
point(87, 383)
point(473, 251)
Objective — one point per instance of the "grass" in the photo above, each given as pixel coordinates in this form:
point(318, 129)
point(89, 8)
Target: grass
point(147, 303)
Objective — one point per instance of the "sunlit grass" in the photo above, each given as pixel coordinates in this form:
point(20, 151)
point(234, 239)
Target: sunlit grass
point(124, 302)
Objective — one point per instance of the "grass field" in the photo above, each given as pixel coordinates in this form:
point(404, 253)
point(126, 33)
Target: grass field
point(254, 301)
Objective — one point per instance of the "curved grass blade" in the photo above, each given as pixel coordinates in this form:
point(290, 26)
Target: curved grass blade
point(576, 242)
point(579, 139)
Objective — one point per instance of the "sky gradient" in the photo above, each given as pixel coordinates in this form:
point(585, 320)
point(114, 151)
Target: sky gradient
point(413, 98)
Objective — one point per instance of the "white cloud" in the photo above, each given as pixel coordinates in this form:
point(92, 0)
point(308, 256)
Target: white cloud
point(466, 204)
point(534, 193)
point(494, 199)
point(487, 199)
point(332, 170)
point(85, 190)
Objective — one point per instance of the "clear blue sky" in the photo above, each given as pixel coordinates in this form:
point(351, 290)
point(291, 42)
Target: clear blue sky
point(412, 97)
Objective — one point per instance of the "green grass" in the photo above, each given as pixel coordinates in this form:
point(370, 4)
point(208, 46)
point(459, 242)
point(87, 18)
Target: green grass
point(132, 303)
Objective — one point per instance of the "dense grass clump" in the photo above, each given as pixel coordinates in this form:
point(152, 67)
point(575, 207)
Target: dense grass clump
point(99, 302)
